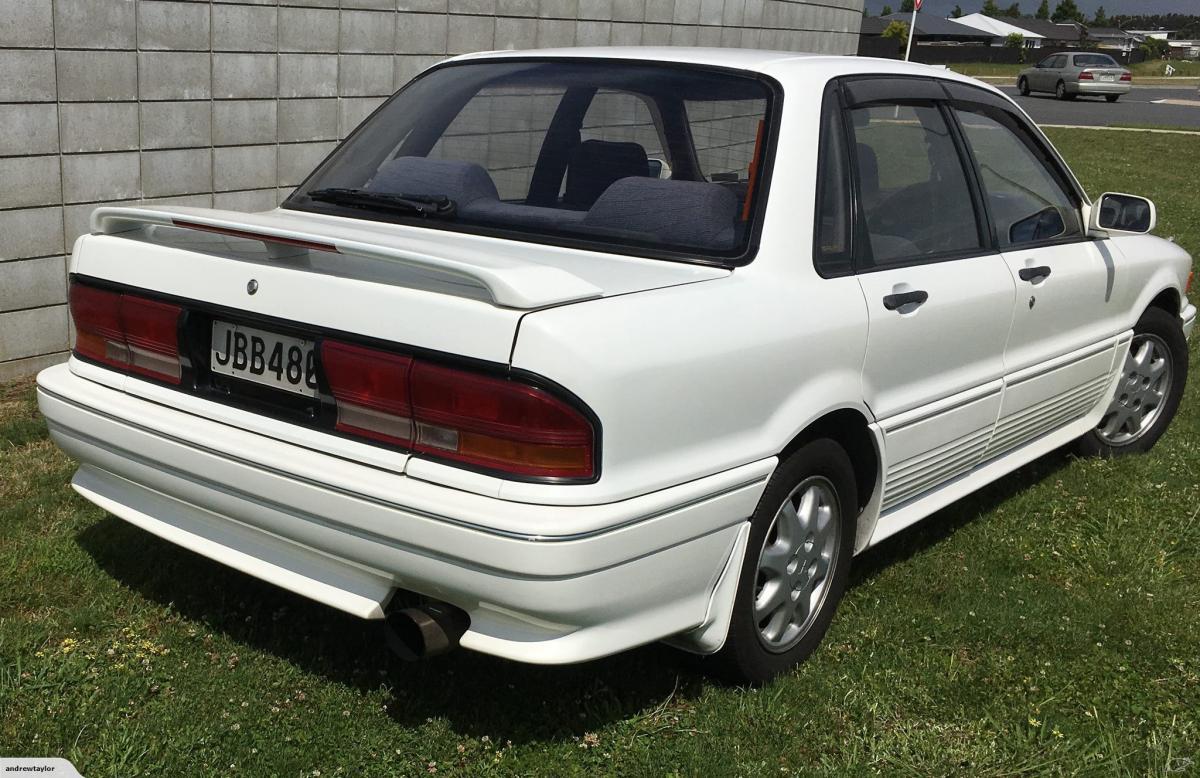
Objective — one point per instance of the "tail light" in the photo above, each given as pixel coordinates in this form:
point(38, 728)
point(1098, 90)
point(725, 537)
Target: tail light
point(1126, 76)
point(1086, 76)
point(446, 413)
point(371, 390)
point(130, 333)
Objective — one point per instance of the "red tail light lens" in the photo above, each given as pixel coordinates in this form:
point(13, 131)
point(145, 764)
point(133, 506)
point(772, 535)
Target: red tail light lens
point(496, 423)
point(1126, 77)
point(1085, 76)
point(128, 332)
point(371, 389)
point(152, 335)
point(456, 415)
point(98, 331)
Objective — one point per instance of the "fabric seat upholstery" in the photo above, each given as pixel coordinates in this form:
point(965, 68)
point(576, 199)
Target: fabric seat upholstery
point(684, 213)
point(463, 182)
point(595, 165)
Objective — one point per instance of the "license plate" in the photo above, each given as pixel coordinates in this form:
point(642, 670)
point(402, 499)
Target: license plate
point(1108, 78)
point(264, 358)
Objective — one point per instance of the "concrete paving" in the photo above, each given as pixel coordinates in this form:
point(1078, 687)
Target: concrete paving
point(1145, 105)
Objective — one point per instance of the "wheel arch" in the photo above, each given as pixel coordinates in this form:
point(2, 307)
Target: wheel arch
point(849, 428)
point(1169, 299)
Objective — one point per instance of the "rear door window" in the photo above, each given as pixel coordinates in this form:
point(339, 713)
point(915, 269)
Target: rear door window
point(833, 225)
point(912, 185)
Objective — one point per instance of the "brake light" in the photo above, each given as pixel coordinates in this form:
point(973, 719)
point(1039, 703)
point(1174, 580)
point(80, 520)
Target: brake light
point(371, 390)
point(457, 415)
point(1126, 76)
point(493, 422)
point(128, 332)
point(1086, 76)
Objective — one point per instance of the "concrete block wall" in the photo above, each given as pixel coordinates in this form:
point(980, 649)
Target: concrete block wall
point(230, 104)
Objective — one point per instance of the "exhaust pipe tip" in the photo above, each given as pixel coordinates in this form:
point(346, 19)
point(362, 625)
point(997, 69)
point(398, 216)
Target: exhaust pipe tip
point(428, 630)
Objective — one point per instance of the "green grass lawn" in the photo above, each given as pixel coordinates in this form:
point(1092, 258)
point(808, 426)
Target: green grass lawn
point(977, 69)
point(1049, 624)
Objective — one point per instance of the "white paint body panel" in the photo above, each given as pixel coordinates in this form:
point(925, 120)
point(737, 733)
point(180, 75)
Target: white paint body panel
point(700, 377)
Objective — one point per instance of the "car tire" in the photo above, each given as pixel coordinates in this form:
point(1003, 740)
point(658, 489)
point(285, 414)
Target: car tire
point(1061, 92)
point(1023, 87)
point(806, 560)
point(1112, 98)
point(1155, 369)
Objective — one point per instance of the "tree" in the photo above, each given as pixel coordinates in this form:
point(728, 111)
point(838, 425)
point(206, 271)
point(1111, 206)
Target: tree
point(1013, 11)
point(1101, 18)
point(906, 6)
point(990, 8)
point(897, 31)
point(887, 11)
point(1016, 41)
point(1067, 11)
point(1043, 11)
point(957, 12)
point(1155, 48)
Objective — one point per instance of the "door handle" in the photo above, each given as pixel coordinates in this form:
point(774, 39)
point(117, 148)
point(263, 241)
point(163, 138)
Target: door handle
point(1032, 274)
point(894, 301)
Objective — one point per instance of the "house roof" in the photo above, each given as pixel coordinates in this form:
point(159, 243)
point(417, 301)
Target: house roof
point(872, 25)
point(1048, 29)
point(997, 27)
point(935, 26)
point(1108, 32)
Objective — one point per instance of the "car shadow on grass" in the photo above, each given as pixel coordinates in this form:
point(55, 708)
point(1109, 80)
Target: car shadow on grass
point(941, 525)
point(477, 694)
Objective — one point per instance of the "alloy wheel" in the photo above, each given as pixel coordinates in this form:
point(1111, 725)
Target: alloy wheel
point(795, 564)
point(1141, 392)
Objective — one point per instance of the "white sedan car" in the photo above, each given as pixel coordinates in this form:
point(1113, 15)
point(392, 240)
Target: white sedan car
point(564, 352)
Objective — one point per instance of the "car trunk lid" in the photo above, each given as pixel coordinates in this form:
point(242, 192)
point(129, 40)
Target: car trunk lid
point(506, 273)
point(432, 290)
point(256, 289)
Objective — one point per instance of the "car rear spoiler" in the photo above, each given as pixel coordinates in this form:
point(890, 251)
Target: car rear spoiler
point(511, 283)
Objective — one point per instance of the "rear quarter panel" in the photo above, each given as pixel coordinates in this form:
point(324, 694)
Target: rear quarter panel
point(697, 379)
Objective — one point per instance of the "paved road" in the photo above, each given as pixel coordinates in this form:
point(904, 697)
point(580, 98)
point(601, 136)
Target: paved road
point(1139, 107)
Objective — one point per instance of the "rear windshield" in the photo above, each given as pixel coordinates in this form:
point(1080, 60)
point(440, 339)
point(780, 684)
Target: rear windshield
point(1095, 60)
point(631, 157)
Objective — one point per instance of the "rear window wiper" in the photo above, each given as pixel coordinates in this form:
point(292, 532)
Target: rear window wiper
point(432, 206)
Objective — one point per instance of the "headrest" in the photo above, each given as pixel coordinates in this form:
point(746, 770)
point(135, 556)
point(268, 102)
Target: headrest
point(595, 164)
point(691, 213)
point(462, 182)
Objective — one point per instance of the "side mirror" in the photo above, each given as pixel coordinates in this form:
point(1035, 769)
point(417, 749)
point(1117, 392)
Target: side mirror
point(1122, 214)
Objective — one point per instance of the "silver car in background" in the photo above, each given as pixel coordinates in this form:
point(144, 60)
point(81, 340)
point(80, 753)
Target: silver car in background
point(1070, 75)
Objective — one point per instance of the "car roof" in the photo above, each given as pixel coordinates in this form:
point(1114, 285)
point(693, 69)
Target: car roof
point(787, 66)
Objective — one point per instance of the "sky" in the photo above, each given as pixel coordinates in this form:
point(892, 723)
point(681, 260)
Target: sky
point(1028, 7)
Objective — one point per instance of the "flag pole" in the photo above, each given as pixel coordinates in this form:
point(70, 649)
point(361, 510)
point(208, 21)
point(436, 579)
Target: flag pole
point(912, 31)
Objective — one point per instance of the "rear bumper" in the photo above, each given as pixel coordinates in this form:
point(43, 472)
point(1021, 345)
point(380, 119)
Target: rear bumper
point(1189, 320)
point(349, 535)
point(1100, 88)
